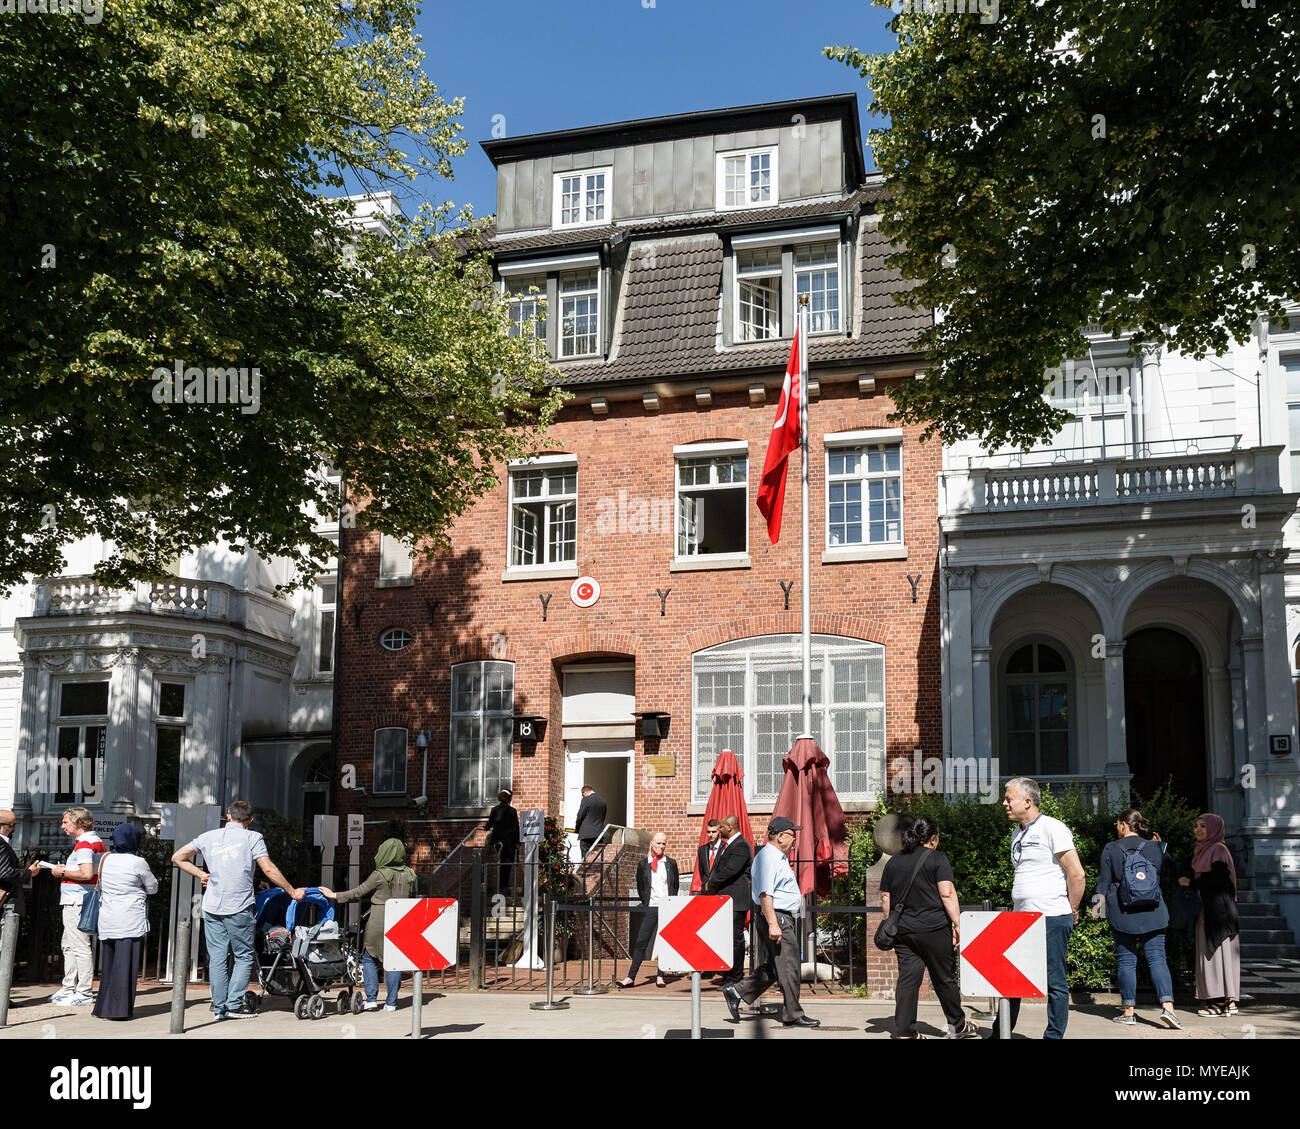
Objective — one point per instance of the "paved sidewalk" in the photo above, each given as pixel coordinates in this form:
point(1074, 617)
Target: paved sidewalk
point(504, 1015)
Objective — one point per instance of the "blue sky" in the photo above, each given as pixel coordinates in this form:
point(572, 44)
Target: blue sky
point(548, 65)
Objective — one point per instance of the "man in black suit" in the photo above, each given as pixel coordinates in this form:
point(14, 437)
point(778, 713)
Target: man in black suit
point(590, 820)
point(730, 878)
point(11, 870)
point(707, 853)
point(503, 833)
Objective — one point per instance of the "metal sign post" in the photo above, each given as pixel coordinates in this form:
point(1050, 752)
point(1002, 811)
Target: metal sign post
point(695, 1006)
point(530, 958)
point(8, 947)
point(420, 935)
point(325, 830)
point(356, 837)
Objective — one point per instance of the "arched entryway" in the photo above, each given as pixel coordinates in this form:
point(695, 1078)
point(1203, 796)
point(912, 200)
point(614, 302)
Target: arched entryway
point(1164, 714)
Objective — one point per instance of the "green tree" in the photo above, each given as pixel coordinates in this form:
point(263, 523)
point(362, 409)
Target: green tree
point(164, 177)
point(1131, 165)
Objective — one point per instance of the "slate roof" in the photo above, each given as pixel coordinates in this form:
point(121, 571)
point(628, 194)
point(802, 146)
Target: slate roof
point(667, 318)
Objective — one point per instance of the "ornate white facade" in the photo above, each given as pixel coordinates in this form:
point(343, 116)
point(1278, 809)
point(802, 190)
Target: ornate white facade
point(1119, 609)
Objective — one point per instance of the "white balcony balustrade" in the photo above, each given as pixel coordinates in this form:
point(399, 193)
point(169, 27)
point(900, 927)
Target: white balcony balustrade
point(1074, 479)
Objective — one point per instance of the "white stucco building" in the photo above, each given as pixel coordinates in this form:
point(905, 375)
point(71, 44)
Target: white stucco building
point(1119, 609)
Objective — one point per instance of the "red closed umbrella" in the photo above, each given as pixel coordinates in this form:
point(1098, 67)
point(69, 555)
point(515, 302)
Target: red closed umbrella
point(726, 798)
point(809, 800)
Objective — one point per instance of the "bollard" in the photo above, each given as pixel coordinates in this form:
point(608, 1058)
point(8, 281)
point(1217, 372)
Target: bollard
point(695, 1006)
point(181, 966)
point(592, 988)
point(8, 947)
point(550, 1004)
point(417, 1006)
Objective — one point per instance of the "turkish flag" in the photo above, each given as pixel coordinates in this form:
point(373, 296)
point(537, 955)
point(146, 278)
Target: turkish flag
point(785, 438)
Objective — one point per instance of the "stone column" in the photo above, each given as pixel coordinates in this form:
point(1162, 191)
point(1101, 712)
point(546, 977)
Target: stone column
point(961, 681)
point(982, 702)
point(1117, 767)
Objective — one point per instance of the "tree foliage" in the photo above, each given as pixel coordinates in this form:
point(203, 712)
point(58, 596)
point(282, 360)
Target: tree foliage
point(164, 177)
point(1132, 165)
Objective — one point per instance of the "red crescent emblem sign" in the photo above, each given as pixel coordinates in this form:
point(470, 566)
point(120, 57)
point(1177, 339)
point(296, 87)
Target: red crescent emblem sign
point(585, 591)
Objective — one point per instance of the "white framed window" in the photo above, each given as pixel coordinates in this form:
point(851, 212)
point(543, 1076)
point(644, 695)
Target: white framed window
point(80, 745)
point(170, 719)
point(580, 313)
point(712, 484)
point(527, 296)
point(543, 514)
point(326, 609)
point(390, 761)
point(758, 294)
point(482, 728)
point(769, 271)
point(747, 179)
point(395, 558)
point(748, 697)
point(817, 274)
point(864, 492)
point(395, 639)
point(582, 197)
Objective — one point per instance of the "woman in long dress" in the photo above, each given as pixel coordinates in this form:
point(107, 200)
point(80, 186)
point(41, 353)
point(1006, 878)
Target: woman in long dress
point(1218, 943)
point(125, 881)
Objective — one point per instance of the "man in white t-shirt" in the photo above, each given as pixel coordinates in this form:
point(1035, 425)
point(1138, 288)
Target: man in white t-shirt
point(1049, 880)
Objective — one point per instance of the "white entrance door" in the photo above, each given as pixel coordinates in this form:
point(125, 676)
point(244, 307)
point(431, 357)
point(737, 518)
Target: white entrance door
point(607, 767)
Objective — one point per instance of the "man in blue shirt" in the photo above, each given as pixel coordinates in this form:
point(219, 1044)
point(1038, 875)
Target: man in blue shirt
point(776, 896)
point(231, 853)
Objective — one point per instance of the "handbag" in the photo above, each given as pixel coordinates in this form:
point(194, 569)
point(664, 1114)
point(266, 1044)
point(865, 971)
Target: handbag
point(887, 930)
point(89, 922)
point(1184, 908)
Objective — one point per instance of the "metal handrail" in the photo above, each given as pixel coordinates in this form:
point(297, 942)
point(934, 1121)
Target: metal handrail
point(455, 851)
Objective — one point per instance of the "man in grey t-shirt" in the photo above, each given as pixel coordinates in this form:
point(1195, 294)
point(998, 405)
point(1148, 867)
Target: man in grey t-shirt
point(231, 854)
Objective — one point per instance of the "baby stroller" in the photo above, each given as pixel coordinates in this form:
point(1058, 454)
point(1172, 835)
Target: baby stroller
point(303, 960)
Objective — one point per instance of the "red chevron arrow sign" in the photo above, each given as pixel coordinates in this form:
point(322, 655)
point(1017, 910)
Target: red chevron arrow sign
point(695, 934)
point(1004, 954)
point(420, 934)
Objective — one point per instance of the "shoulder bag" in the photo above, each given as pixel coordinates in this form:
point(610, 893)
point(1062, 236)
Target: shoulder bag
point(89, 922)
point(887, 930)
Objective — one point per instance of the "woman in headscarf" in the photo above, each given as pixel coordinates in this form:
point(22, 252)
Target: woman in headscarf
point(125, 881)
point(1218, 944)
point(392, 878)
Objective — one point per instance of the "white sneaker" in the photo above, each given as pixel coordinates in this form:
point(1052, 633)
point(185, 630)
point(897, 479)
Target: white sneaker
point(370, 1005)
point(390, 1007)
point(61, 995)
point(77, 1000)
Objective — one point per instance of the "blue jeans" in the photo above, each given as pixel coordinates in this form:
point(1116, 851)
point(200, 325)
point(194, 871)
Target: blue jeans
point(1058, 985)
point(229, 932)
point(1153, 948)
point(370, 978)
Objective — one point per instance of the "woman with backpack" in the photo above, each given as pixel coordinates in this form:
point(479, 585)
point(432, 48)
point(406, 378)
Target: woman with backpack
point(1130, 888)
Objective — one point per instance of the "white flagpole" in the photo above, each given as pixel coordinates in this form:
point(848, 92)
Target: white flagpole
point(803, 511)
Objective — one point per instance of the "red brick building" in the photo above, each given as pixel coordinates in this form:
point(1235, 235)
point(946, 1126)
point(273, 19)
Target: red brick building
point(671, 252)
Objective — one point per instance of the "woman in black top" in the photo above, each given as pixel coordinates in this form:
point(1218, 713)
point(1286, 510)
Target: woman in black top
point(1134, 922)
point(927, 930)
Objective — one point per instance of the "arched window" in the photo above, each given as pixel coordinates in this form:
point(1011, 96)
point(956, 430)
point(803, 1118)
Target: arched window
point(1037, 720)
point(748, 697)
point(482, 729)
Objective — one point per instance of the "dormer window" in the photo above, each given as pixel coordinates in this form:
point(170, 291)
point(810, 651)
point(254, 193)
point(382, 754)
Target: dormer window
point(771, 271)
point(582, 198)
point(747, 179)
point(572, 286)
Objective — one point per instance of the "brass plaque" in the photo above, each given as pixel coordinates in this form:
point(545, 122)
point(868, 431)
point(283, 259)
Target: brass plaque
point(661, 765)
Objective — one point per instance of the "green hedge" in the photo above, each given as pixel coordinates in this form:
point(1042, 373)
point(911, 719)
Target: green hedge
point(976, 838)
